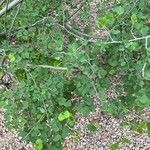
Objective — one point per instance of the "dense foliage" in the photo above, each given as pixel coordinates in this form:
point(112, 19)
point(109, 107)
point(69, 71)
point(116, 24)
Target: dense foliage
point(57, 71)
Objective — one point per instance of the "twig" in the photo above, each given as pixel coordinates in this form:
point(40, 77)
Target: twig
point(144, 66)
point(10, 6)
point(140, 38)
point(143, 70)
point(93, 84)
point(131, 40)
point(27, 26)
point(5, 24)
point(132, 31)
point(33, 127)
point(34, 24)
point(48, 67)
point(15, 17)
point(47, 115)
point(146, 43)
point(75, 12)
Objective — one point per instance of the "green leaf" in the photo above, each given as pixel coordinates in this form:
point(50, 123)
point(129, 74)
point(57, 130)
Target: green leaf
point(134, 18)
point(147, 75)
point(119, 10)
point(144, 100)
point(92, 127)
point(65, 132)
point(113, 61)
point(38, 144)
point(106, 20)
point(123, 63)
point(114, 146)
point(11, 57)
point(148, 129)
point(64, 115)
point(125, 141)
point(140, 128)
point(25, 105)
point(63, 102)
point(85, 110)
point(57, 138)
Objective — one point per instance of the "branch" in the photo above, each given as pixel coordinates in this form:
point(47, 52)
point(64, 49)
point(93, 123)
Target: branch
point(26, 26)
point(10, 6)
point(131, 40)
point(143, 70)
point(15, 18)
point(1, 3)
point(75, 12)
point(48, 67)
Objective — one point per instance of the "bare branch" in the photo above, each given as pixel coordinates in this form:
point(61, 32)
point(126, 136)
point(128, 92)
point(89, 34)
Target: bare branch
point(10, 6)
point(48, 67)
point(131, 40)
point(143, 70)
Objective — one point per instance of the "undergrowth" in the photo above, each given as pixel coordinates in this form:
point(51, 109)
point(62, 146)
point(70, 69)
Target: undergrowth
point(57, 71)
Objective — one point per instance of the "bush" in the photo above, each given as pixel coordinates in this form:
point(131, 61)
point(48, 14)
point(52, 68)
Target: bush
point(56, 70)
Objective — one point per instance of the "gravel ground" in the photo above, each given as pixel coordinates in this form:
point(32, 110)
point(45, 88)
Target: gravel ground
point(109, 129)
point(109, 132)
point(9, 140)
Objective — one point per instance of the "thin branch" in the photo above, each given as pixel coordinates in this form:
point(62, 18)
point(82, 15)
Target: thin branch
point(146, 43)
point(33, 127)
point(9, 7)
point(144, 66)
point(28, 26)
point(132, 31)
point(131, 40)
point(140, 38)
point(48, 67)
point(143, 70)
point(34, 24)
point(12, 24)
point(75, 12)
point(93, 84)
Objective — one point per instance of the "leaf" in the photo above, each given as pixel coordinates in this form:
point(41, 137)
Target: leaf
point(106, 20)
point(64, 115)
point(92, 127)
point(38, 144)
point(148, 129)
point(25, 105)
point(11, 57)
point(63, 102)
point(144, 100)
point(113, 61)
point(42, 110)
point(134, 18)
point(140, 128)
point(57, 138)
point(114, 146)
point(85, 110)
point(55, 127)
point(125, 140)
point(119, 10)
point(147, 75)
point(65, 132)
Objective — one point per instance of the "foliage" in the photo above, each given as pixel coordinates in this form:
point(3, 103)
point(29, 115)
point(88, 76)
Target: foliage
point(51, 66)
point(115, 146)
point(92, 127)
